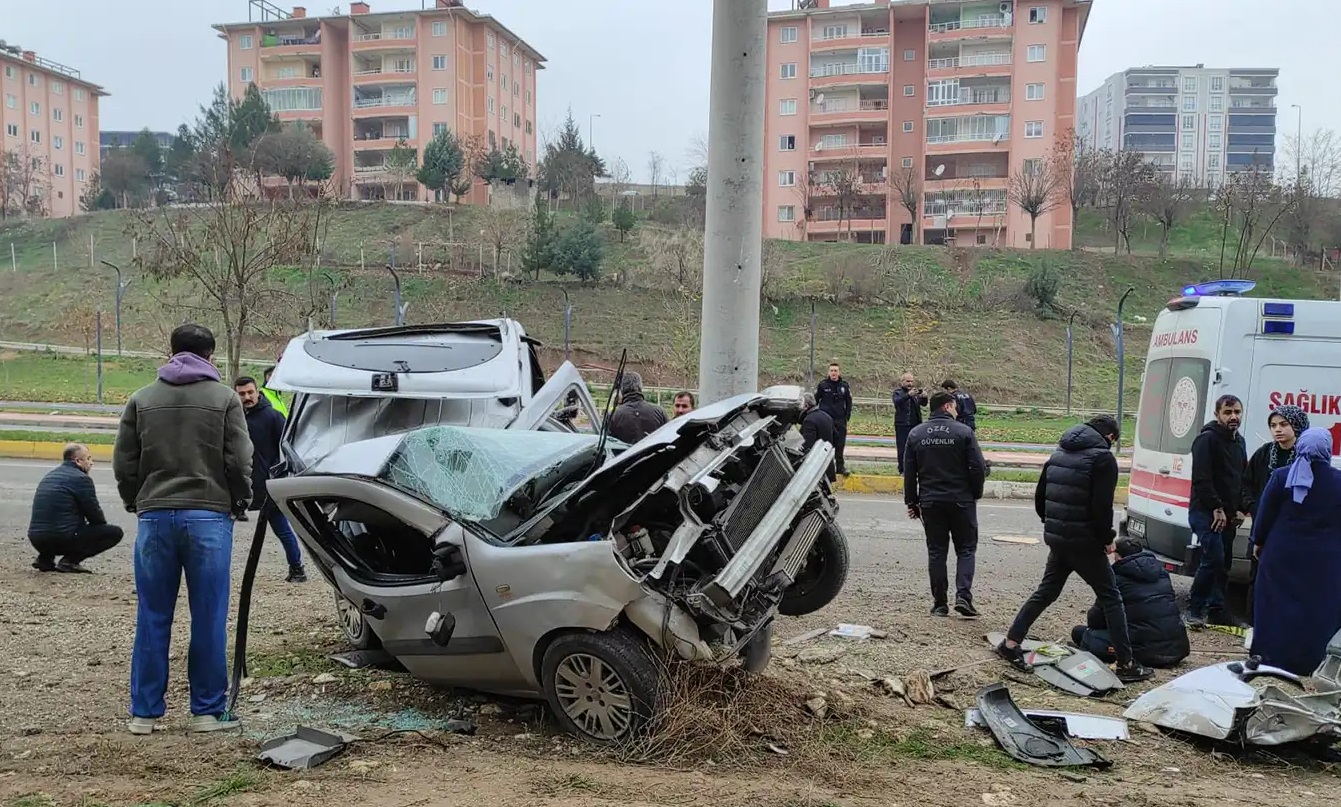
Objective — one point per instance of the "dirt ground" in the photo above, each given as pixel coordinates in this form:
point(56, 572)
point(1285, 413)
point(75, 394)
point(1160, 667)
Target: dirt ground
point(64, 664)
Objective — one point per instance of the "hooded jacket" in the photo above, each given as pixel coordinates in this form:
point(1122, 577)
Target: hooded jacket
point(1158, 638)
point(182, 443)
point(635, 418)
point(1074, 496)
point(1219, 459)
point(265, 426)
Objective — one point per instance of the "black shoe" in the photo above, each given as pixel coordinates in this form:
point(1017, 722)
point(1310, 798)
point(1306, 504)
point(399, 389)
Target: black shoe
point(1014, 655)
point(296, 575)
point(67, 567)
point(1134, 673)
point(940, 610)
point(1194, 621)
point(1225, 618)
point(45, 563)
point(964, 607)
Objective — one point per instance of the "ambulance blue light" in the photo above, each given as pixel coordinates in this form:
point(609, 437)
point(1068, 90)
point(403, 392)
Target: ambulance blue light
point(1278, 310)
point(1220, 288)
point(1278, 327)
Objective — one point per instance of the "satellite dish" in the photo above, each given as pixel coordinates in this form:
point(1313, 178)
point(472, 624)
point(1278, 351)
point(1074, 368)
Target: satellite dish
point(940, 169)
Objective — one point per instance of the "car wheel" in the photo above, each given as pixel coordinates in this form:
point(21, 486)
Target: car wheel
point(354, 625)
point(821, 578)
point(601, 686)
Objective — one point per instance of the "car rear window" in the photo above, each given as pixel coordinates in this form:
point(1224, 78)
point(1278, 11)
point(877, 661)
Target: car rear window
point(438, 353)
point(1173, 404)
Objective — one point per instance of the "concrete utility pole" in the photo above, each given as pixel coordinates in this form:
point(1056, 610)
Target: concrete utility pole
point(733, 247)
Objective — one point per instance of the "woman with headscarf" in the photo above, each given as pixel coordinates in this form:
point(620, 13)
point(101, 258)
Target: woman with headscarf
point(1297, 540)
point(1286, 423)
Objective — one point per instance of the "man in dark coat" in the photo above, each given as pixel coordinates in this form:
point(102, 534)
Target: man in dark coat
point(908, 402)
point(266, 426)
point(1074, 500)
point(943, 480)
point(634, 418)
point(835, 398)
point(964, 404)
point(1219, 458)
point(816, 426)
point(67, 519)
point(1158, 638)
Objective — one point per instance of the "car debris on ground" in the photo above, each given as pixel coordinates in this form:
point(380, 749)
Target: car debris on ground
point(304, 749)
point(1074, 724)
point(1026, 741)
point(1073, 671)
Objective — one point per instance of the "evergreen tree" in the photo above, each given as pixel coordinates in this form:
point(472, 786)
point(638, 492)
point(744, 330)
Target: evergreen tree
point(540, 239)
point(443, 163)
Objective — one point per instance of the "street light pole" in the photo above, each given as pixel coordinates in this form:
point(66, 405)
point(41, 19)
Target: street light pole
point(121, 287)
point(1122, 361)
point(1299, 145)
point(567, 323)
point(335, 293)
point(733, 242)
point(1070, 357)
point(591, 129)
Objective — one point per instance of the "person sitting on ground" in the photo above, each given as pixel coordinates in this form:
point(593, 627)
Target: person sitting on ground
point(634, 418)
point(1158, 637)
point(816, 426)
point(683, 404)
point(67, 519)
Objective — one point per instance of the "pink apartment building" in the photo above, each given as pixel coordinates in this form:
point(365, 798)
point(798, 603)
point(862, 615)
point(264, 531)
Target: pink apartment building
point(50, 120)
point(365, 80)
point(955, 96)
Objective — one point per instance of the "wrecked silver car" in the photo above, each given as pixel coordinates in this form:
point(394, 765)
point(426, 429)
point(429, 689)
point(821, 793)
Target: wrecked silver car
point(530, 562)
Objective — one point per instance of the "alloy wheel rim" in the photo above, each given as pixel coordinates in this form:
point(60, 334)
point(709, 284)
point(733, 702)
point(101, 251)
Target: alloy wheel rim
point(351, 620)
point(593, 696)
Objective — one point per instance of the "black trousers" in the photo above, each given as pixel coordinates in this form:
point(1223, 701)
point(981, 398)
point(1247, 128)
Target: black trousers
point(945, 524)
point(839, 443)
point(1090, 563)
point(84, 543)
point(901, 439)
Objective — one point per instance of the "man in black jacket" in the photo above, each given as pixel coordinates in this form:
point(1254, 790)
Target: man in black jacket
point(1158, 638)
point(67, 519)
point(908, 403)
point(943, 480)
point(966, 407)
point(816, 426)
point(1219, 458)
point(266, 426)
point(634, 418)
point(1074, 499)
point(835, 399)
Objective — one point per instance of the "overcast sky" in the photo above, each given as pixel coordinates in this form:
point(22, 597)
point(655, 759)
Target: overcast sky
point(642, 65)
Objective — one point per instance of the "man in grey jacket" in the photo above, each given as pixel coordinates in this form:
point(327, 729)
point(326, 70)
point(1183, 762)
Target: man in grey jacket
point(183, 464)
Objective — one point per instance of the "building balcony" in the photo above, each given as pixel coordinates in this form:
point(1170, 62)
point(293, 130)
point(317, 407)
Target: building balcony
point(279, 46)
point(374, 75)
point(866, 38)
point(984, 25)
point(1154, 104)
point(374, 106)
point(968, 141)
point(1238, 86)
point(386, 142)
point(1169, 88)
point(385, 40)
point(831, 114)
point(371, 173)
point(986, 63)
point(937, 216)
point(987, 97)
point(828, 220)
point(831, 75)
point(848, 150)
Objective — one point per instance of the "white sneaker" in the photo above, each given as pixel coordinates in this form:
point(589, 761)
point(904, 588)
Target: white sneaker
point(206, 723)
point(142, 725)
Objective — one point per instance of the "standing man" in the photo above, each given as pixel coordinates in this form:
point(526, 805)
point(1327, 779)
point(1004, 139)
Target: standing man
point(634, 418)
point(834, 398)
point(964, 404)
point(908, 403)
point(816, 426)
point(265, 425)
point(67, 519)
point(683, 403)
point(1074, 500)
point(183, 465)
point(1219, 458)
point(942, 482)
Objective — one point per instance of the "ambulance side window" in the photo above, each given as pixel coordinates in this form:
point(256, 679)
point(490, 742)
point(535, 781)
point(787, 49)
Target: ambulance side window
point(1173, 404)
point(1154, 397)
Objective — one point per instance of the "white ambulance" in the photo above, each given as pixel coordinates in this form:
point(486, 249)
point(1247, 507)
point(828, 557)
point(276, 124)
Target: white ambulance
point(1212, 341)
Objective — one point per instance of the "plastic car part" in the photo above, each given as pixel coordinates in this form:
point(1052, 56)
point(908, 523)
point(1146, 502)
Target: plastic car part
point(305, 748)
point(1080, 726)
point(1025, 741)
point(1080, 673)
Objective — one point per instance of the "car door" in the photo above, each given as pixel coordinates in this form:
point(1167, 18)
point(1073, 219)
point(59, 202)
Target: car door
point(565, 390)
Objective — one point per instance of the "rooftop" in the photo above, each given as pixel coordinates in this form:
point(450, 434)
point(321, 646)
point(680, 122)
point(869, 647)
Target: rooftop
point(903, 9)
point(28, 58)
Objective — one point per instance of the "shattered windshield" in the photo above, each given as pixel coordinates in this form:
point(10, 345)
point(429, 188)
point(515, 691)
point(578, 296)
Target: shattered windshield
point(472, 474)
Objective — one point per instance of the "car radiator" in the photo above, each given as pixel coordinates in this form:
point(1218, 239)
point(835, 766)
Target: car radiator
point(761, 490)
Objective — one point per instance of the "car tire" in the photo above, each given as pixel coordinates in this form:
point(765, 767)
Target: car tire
point(354, 625)
point(617, 665)
point(823, 576)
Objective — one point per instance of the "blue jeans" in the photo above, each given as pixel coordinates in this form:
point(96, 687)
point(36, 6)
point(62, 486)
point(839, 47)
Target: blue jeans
point(1212, 577)
point(287, 537)
point(170, 542)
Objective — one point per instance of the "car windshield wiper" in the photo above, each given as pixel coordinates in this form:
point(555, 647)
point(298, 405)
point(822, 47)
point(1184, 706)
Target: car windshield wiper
point(610, 405)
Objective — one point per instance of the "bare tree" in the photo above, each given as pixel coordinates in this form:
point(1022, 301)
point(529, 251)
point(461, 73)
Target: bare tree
point(655, 168)
point(1036, 188)
point(1317, 158)
point(676, 255)
point(1124, 179)
point(906, 183)
point(24, 182)
point(1080, 168)
point(1167, 200)
point(1250, 205)
point(843, 185)
point(681, 345)
point(697, 150)
point(401, 164)
point(501, 227)
point(621, 177)
point(1312, 178)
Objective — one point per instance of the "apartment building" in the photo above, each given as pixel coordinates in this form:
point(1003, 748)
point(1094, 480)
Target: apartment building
point(125, 139)
point(364, 81)
point(50, 120)
point(1202, 123)
point(947, 98)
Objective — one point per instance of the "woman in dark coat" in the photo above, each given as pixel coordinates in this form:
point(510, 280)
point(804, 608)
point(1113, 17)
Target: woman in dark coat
point(1286, 423)
point(1297, 540)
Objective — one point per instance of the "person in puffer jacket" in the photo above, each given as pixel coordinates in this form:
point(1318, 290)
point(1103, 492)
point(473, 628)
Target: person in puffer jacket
point(1158, 637)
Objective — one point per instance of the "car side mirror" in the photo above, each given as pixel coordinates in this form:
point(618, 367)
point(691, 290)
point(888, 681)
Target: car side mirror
point(440, 628)
point(448, 562)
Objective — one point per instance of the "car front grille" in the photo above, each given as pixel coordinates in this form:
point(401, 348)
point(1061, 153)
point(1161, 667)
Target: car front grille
point(759, 493)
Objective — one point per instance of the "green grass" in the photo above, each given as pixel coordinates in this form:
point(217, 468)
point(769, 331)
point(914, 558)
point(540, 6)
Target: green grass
point(274, 664)
point(87, 438)
point(920, 745)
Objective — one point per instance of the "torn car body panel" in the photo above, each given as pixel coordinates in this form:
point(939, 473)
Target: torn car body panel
point(1023, 740)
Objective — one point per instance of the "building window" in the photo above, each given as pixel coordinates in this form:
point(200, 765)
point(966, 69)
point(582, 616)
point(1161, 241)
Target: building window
point(439, 128)
point(440, 28)
point(440, 96)
point(1212, 159)
point(503, 82)
point(79, 121)
point(1033, 92)
point(1215, 123)
point(787, 35)
point(909, 55)
point(79, 147)
point(35, 136)
point(492, 106)
point(12, 129)
point(1217, 103)
point(907, 126)
point(516, 89)
point(1038, 15)
point(907, 162)
point(787, 106)
point(516, 119)
point(58, 115)
point(1033, 167)
point(789, 70)
point(1038, 53)
point(503, 50)
point(528, 127)
point(35, 108)
point(58, 87)
point(528, 98)
point(1217, 83)
point(786, 213)
point(489, 40)
point(439, 62)
point(1189, 121)
point(527, 64)
point(1214, 141)
point(12, 101)
point(1212, 179)
point(786, 179)
point(1189, 141)
point(1189, 103)
point(247, 75)
point(787, 143)
point(80, 95)
point(60, 170)
point(81, 175)
point(1033, 128)
point(489, 72)
point(32, 80)
point(1189, 83)
point(1185, 164)
point(245, 42)
point(57, 141)
point(909, 91)
point(503, 111)
point(286, 72)
point(10, 72)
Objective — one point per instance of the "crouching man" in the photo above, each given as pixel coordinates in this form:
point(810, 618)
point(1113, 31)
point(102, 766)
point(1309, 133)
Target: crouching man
point(67, 519)
point(1158, 638)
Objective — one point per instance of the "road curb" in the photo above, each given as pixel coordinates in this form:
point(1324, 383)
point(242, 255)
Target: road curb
point(31, 450)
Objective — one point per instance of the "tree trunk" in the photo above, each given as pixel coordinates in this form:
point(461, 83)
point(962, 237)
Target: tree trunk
point(1033, 232)
point(1075, 227)
point(1164, 240)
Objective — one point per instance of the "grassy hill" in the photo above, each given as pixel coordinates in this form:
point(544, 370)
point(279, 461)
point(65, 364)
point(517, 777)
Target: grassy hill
point(961, 313)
